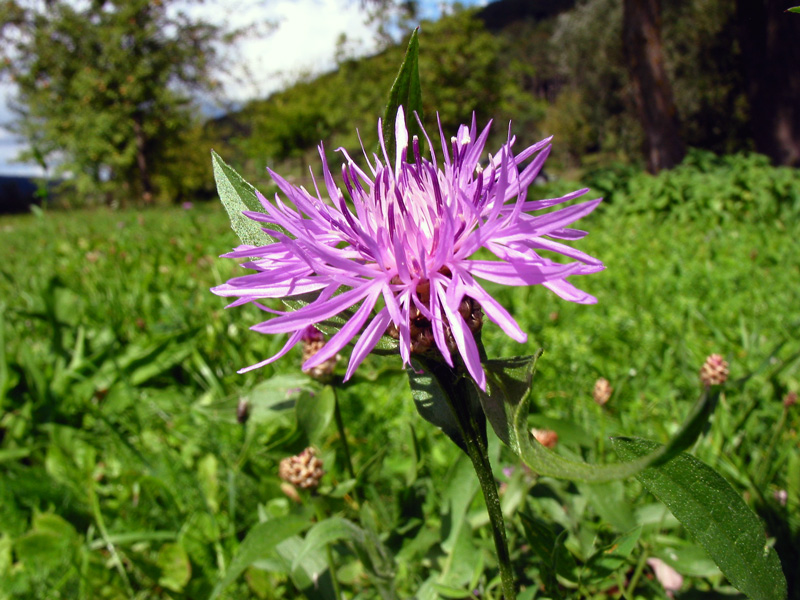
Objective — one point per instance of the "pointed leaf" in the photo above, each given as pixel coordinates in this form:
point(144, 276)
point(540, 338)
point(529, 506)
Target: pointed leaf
point(260, 540)
point(237, 195)
point(715, 515)
point(506, 404)
point(406, 92)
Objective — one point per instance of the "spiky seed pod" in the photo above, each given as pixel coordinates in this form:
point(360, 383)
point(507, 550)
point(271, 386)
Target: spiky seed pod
point(602, 391)
point(303, 470)
point(714, 371)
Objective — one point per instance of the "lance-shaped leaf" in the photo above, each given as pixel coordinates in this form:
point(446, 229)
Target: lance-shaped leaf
point(506, 404)
point(237, 195)
point(406, 92)
point(715, 515)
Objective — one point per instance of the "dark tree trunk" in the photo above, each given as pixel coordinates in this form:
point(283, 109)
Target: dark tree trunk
point(770, 42)
point(641, 30)
point(141, 160)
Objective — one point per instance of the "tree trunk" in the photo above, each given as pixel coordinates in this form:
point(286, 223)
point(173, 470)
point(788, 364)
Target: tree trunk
point(141, 160)
point(771, 52)
point(641, 31)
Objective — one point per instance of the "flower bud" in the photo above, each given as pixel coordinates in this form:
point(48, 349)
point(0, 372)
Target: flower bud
point(714, 371)
point(313, 342)
point(303, 470)
point(790, 399)
point(602, 391)
point(546, 437)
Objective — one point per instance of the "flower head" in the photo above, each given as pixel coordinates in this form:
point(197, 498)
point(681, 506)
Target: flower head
point(398, 254)
point(714, 371)
point(303, 470)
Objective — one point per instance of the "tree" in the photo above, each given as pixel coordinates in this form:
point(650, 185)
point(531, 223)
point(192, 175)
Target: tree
point(769, 41)
point(104, 87)
point(652, 91)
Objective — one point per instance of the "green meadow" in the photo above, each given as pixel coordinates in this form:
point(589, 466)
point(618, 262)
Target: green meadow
point(124, 472)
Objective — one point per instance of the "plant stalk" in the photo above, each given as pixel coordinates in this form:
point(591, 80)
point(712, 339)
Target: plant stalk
point(337, 415)
point(478, 453)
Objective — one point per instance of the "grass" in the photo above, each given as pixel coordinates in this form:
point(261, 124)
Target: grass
point(125, 473)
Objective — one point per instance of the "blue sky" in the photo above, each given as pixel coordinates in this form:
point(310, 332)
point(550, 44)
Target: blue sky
point(304, 42)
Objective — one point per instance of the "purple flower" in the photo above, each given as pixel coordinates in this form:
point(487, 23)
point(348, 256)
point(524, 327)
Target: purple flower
point(399, 253)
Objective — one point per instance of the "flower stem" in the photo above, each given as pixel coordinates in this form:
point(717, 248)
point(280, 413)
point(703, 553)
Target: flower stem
point(321, 516)
point(478, 453)
point(337, 414)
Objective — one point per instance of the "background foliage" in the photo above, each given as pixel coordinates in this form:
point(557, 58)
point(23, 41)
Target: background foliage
point(125, 472)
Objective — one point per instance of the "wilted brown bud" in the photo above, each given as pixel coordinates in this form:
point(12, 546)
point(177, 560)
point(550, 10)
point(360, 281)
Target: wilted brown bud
point(546, 437)
point(790, 399)
point(243, 410)
point(303, 470)
point(602, 391)
point(714, 371)
point(313, 342)
point(290, 491)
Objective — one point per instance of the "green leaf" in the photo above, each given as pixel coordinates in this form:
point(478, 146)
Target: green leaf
point(406, 92)
point(429, 388)
point(4, 370)
point(506, 401)
point(260, 540)
point(176, 570)
point(315, 412)
point(325, 532)
point(367, 547)
point(603, 563)
point(715, 515)
point(237, 195)
point(794, 9)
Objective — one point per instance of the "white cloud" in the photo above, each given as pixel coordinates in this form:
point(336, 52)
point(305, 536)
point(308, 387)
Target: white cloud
point(303, 43)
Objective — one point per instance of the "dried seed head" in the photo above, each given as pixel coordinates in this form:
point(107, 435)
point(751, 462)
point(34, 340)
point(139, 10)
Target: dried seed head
point(790, 399)
point(313, 342)
point(714, 371)
point(546, 437)
point(303, 470)
point(602, 391)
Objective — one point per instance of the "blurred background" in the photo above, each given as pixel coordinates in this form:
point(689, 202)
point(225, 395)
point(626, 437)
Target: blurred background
point(135, 461)
point(119, 102)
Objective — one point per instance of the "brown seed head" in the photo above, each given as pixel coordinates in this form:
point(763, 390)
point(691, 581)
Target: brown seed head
point(546, 437)
point(790, 399)
point(714, 371)
point(602, 391)
point(303, 470)
point(322, 372)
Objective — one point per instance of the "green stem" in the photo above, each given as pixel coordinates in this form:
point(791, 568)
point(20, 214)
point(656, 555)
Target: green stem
point(637, 574)
point(458, 398)
point(320, 512)
point(337, 415)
